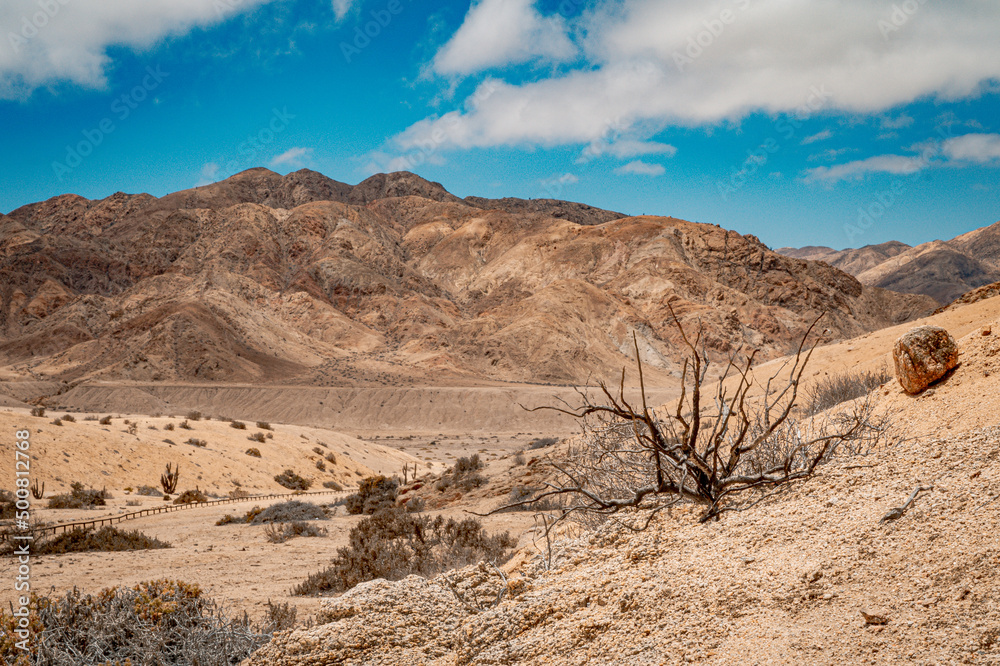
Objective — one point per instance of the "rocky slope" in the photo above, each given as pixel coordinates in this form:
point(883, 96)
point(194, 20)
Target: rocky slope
point(301, 279)
point(789, 582)
point(943, 270)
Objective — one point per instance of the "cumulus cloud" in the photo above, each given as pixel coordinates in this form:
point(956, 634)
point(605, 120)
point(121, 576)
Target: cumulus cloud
point(681, 64)
point(497, 33)
point(640, 168)
point(293, 157)
point(979, 148)
point(68, 41)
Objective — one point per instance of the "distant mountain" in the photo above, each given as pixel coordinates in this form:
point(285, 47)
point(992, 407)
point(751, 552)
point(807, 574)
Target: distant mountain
point(303, 279)
point(943, 270)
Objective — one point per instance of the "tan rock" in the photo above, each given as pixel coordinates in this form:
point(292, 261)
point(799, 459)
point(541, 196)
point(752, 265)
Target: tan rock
point(922, 356)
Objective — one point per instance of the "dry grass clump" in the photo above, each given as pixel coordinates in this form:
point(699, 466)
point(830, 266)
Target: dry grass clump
point(157, 622)
point(282, 532)
point(107, 539)
point(79, 498)
point(374, 493)
point(191, 497)
point(838, 389)
point(289, 479)
point(393, 544)
point(288, 512)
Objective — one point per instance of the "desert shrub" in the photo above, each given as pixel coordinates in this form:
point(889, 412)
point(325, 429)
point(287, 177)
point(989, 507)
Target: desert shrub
point(317, 450)
point(149, 491)
point(194, 441)
point(519, 458)
point(133, 503)
point(542, 443)
point(279, 617)
point(289, 479)
point(105, 420)
point(837, 389)
point(7, 504)
point(69, 418)
point(191, 497)
point(257, 437)
point(415, 504)
point(38, 411)
point(57, 422)
point(194, 416)
point(320, 465)
point(263, 425)
point(288, 512)
point(107, 539)
point(247, 518)
point(253, 452)
point(393, 544)
point(330, 458)
point(238, 493)
point(169, 426)
point(280, 533)
point(185, 426)
point(333, 485)
point(374, 493)
point(133, 429)
point(79, 498)
point(157, 622)
point(270, 435)
point(521, 498)
point(464, 475)
point(239, 425)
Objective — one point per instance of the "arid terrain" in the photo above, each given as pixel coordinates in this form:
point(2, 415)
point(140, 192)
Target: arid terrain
point(362, 329)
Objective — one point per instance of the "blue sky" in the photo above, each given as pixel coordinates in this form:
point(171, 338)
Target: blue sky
point(839, 123)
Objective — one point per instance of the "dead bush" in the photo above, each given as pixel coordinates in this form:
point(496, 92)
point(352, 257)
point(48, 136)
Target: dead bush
point(239, 425)
point(263, 425)
point(194, 441)
point(838, 389)
point(69, 418)
point(333, 485)
point(158, 622)
point(393, 544)
point(38, 411)
point(280, 533)
point(191, 497)
point(257, 437)
point(194, 416)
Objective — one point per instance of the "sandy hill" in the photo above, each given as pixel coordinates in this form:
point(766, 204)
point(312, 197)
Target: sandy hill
point(301, 280)
point(943, 270)
point(784, 583)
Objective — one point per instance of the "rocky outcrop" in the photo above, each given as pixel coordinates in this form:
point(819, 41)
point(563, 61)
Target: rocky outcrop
point(922, 356)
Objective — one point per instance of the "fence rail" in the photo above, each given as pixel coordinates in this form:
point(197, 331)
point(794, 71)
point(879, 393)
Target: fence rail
point(169, 508)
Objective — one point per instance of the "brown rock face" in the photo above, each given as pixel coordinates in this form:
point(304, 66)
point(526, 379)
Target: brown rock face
point(923, 356)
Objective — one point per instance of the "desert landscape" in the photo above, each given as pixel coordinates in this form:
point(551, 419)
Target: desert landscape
point(499, 333)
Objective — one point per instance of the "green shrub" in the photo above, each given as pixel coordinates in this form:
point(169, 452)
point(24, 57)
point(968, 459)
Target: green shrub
point(289, 479)
point(374, 493)
point(288, 512)
point(191, 497)
point(107, 539)
point(393, 544)
point(79, 498)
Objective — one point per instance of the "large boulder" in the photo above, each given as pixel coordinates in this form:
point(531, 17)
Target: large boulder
point(923, 356)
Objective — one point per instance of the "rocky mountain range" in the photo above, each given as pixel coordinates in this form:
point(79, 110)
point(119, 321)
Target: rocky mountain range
point(301, 279)
point(943, 270)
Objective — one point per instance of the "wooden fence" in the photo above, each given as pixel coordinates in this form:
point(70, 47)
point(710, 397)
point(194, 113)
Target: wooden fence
point(41, 531)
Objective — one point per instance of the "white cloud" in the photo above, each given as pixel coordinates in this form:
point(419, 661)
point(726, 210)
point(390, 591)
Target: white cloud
point(640, 168)
point(209, 174)
point(774, 56)
point(821, 136)
point(894, 164)
point(68, 42)
point(627, 148)
point(980, 148)
point(341, 7)
point(899, 122)
point(497, 33)
point(293, 157)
